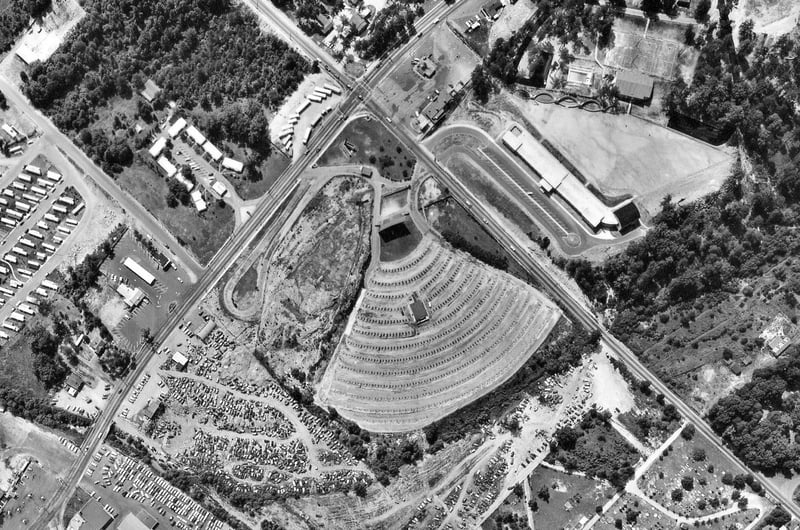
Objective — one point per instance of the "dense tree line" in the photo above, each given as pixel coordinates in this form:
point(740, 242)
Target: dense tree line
point(48, 367)
point(3, 102)
point(84, 276)
point(706, 247)
point(756, 420)
point(393, 25)
point(15, 16)
point(210, 53)
point(39, 410)
point(565, 347)
point(595, 448)
point(114, 360)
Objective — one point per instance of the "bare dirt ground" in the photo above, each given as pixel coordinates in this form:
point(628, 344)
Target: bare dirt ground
point(20, 437)
point(312, 272)
point(42, 40)
point(511, 19)
point(773, 17)
point(622, 154)
point(659, 52)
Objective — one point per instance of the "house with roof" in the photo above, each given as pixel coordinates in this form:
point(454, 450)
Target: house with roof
point(491, 10)
point(634, 86)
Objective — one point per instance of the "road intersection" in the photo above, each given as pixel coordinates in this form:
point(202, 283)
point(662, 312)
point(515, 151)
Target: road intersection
point(278, 203)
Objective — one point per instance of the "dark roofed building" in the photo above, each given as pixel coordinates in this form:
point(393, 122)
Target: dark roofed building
point(628, 216)
point(358, 23)
point(152, 409)
point(92, 516)
point(491, 10)
point(434, 110)
point(73, 384)
point(634, 86)
point(419, 313)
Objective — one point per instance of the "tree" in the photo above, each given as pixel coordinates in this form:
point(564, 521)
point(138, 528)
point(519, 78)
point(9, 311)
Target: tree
point(360, 489)
point(652, 8)
point(481, 84)
point(698, 454)
point(687, 482)
point(677, 495)
point(701, 10)
point(3, 102)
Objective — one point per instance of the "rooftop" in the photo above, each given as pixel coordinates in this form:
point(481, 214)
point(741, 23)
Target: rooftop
point(634, 85)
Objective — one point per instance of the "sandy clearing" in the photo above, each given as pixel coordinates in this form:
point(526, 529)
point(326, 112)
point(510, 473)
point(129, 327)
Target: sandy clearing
point(609, 389)
point(23, 437)
point(773, 17)
point(623, 154)
point(42, 40)
point(511, 19)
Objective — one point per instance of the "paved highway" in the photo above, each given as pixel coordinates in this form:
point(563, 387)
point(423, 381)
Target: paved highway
point(51, 134)
point(284, 195)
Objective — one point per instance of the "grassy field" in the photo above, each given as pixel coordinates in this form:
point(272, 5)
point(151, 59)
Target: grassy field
point(562, 499)
point(622, 154)
point(460, 229)
point(203, 233)
point(700, 349)
point(246, 292)
point(270, 169)
point(374, 145)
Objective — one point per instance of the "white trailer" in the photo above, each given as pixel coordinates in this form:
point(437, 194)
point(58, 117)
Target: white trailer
point(15, 214)
point(60, 209)
point(19, 186)
point(9, 325)
point(25, 178)
point(66, 200)
point(53, 176)
point(30, 197)
point(41, 256)
point(19, 317)
point(39, 190)
point(32, 300)
point(44, 183)
point(78, 208)
point(8, 193)
point(33, 170)
point(315, 99)
point(41, 292)
point(35, 233)
point(34, 264)
point(19, 251)
point(48, 246)
point(333, 88)
point(8, 222)
point(52, 218)
point(49, 285)
point(27, 242)
point(6, 291)
point(24, 206)
point(58, 240)
point(25, 308)
point(139, 271)
point(72, 222)
point(43, 225)
point(25, 272)
point(307, 136)
point(10, 258)
point(63, 229)
point(303, 106)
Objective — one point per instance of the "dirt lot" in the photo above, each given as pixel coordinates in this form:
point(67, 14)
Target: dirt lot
point(314, 270)
point(512, 17)
point(660, 52)
point(370, 143)
point(621, 154)
point(407, 91)
point(44, 38)
point(773, 17)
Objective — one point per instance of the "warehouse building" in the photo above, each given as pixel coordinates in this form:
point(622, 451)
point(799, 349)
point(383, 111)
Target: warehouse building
point(555, 178)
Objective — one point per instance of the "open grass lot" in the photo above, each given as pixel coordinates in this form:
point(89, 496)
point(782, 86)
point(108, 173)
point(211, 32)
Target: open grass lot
point(270, 170)
point(704, 464)
point(621, 154)
point(391, 375)
point(461, 230)
point(407, 92)
point(203, 233)
point(374, 145)
point(562, 500)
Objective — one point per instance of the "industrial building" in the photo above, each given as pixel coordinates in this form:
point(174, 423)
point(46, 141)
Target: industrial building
point(556, 178)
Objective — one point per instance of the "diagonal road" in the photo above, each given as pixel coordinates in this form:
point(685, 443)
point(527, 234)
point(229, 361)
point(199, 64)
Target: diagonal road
point(285, 195)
